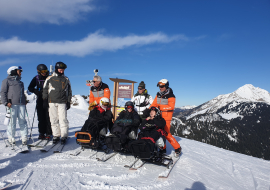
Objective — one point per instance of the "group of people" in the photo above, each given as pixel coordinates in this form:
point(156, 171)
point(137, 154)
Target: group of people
point(53, 100)
point(54, 97)
point(151, 116)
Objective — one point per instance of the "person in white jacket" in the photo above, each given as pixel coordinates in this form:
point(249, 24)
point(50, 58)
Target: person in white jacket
point(142, 100)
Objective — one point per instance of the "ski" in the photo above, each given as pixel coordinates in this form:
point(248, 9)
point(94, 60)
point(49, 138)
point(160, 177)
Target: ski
point(60, 147)
point(132, 164)
point(42, 143)
point(24, 149)
point(49, 146)
point(13, 146)
point(35, 143)
point(169, 168)
point(76, 152)
point(137, 165)
point(107, 156)
point(8, 184)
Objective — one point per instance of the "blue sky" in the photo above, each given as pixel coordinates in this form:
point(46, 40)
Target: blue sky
point(204, 48)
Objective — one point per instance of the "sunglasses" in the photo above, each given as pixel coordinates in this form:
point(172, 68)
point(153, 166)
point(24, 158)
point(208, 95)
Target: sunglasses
point(95, 81)
point(139, 88)
point(44, 71)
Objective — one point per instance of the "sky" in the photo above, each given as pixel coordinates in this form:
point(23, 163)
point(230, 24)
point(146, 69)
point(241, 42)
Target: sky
point(204, 48)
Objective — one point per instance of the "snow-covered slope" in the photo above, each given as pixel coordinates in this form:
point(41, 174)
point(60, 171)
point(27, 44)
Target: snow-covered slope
point(200, 167)
point(246, 93)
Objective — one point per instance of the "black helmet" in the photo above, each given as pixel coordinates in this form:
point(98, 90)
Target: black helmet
point(41, 67)
point(60, 65)
point(129, 103)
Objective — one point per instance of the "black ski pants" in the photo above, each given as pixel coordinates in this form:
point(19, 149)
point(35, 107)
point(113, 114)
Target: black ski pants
point(44, 124)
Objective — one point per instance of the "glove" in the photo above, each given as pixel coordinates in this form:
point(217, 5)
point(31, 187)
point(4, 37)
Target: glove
point(45, 104)
point(92, 105)
point(68, 105)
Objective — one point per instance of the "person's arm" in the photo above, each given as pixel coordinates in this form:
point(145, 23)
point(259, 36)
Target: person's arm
point(107, 93)
point(45, 89)
point(4, 92)
point(69, 91)
point(154, 104)
point(160, 122)
point(91, 97)
point(149, 101)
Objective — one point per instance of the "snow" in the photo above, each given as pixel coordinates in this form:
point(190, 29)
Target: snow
point(230, 116)
point(246, 93)
point(201, 166)
point(79, 102)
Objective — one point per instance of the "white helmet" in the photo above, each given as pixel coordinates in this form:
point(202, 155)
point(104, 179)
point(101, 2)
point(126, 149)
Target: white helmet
point(13, 68)
point(163, 82)
point(104, 102)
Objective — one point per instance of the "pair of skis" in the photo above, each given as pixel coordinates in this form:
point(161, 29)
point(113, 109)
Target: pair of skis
point(59, 146)
point(18, 149)
point(40, 143)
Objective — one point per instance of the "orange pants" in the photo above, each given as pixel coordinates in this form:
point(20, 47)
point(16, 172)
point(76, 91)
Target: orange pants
point(169, 137)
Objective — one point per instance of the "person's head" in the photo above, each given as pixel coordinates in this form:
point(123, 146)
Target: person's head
point(154, 111)
point(141, 87)
point(129, 106)
point(163, 84)
point(97, 80)
point(60, 68)
point(42, 70)
point(104, 103)
point(15, 71)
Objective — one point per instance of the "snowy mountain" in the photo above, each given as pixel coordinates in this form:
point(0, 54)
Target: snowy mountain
point(238, 121)
point(200, 167)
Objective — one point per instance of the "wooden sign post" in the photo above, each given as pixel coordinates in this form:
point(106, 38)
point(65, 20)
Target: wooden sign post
point(121, 91)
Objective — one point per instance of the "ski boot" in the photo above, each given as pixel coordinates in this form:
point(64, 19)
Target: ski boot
point(24, 141)
point(56, 140)
point(63, 140)
point(47, 137)
point(41, 136)
point(178, 152)
point(163, 151)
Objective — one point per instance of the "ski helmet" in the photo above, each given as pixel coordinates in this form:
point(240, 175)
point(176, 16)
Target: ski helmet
point(42, 68)
point(12, 71)
point(129, 104)
point(60, 65)
point(156, 110)
point(163, 82)
point(104, 102)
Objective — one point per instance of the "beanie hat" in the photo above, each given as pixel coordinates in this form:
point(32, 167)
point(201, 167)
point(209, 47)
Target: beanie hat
point(142, 85)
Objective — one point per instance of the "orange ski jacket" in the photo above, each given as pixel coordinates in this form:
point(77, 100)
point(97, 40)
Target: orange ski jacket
point(96, 93)
point(165, 102)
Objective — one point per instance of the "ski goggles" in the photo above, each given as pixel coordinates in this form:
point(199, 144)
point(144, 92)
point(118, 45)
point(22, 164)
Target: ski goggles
point(129, 107)
point(161, 84)
point(105, 103)
point(140, 88)
point(43, 71)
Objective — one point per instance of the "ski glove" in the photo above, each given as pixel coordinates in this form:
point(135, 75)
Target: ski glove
point(68, 105)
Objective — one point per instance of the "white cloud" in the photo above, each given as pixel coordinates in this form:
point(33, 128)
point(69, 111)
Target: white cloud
point(95, 42)
point(44, 11)
point(9, 62)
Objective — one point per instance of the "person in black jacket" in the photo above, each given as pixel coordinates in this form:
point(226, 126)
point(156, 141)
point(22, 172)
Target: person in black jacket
point(100, 117)
point(36, 87)
point(152, 127)
point(127, 121)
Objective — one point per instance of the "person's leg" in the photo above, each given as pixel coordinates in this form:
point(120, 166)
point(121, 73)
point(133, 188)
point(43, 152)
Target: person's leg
point(41, 119)
point(64, 125)
point(48, 123)
point(11, 129)
point(53, 112)
point(169, 137)
point(22, 123)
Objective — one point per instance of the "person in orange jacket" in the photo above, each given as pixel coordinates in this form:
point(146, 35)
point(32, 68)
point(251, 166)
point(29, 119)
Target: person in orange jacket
point(165, 101)
point(98, 91)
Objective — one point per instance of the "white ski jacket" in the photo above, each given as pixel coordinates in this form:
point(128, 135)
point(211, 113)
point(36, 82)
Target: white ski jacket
point(142, 101)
